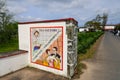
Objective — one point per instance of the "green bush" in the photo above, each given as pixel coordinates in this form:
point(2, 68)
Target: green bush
point(85, 40)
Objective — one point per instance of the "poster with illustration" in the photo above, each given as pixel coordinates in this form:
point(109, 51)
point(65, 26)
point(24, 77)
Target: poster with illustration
point(47, 46)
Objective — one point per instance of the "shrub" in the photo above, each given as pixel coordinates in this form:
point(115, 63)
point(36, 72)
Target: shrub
point(85, 40)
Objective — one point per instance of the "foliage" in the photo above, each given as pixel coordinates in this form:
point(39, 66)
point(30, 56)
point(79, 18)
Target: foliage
point(8, 27)
point(117, 27)
point(93, 25)
point(12, 45)
point(88, 24)
point(85, 40)
point(97, 23)
point(8, 30)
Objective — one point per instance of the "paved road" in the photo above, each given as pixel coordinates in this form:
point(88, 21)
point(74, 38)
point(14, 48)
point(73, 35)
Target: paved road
point(106, 64)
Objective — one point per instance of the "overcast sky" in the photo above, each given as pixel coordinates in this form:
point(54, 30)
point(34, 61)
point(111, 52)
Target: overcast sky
point(81, 10)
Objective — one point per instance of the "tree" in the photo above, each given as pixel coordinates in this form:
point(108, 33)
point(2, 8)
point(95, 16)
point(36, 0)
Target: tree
point(102, 19)
point(117, 27)
point(92, 25)
point(98, 21)
point(7, 25)
point(105, 17)
point(88, 24)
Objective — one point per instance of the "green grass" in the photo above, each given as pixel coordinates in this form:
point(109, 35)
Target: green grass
point(85, 40)
point(12, 45)
point(91, 51)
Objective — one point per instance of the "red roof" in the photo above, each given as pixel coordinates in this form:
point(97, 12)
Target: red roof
point(45, 21)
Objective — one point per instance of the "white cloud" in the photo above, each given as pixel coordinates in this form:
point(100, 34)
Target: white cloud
point(17, 9)
point(60, 5)
point(82, 10)
point(27, 18)
point(16, 6)
point(114, 16)
point(103, 10)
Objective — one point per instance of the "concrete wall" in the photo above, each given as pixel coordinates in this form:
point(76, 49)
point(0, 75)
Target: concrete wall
point(13, 63)
point(24, 44)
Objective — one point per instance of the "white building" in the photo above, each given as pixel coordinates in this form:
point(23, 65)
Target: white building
point(82, 29)
point(109, 27)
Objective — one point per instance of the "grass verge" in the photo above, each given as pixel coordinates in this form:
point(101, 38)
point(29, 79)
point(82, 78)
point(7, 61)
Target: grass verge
point(91, 51)
point(12, 45)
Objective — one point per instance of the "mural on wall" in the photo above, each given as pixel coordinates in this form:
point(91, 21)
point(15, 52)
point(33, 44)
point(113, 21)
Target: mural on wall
point(47, 46)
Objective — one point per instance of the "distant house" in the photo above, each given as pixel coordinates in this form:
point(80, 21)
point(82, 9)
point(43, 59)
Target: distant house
point(109, 27)
point(82, 29)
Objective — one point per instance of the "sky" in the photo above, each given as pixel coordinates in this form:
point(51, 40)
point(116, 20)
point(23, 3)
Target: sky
point(80, 10)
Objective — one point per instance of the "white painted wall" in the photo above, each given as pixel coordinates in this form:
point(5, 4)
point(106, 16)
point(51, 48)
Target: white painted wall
point(13, 63)
point(24, 44)
point(83, 29)
point(109, 27)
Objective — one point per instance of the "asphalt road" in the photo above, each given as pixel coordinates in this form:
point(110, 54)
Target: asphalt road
point(106, 63)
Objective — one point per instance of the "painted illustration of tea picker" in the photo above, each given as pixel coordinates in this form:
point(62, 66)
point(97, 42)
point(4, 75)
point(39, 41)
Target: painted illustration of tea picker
point(36, 43)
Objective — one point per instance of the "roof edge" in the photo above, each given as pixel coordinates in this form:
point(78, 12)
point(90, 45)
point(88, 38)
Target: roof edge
point(45, 21)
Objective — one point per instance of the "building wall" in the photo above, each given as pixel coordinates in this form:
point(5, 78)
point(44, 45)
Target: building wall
point(13, 63)
point(109, 27)
point(83, 29)
point(24, 44)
